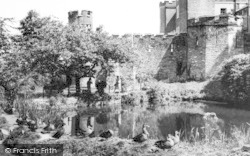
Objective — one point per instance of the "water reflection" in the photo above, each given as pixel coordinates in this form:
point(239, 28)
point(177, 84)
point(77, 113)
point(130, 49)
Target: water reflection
point(127, 121)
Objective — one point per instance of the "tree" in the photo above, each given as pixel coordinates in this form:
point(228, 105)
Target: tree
point(45, 45)
point(53, 50)
point(12, 65)
point(90, 49)
point(80, 48)
point(109, 51)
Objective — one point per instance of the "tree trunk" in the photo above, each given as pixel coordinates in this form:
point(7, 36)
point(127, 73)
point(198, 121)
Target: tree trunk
point(10, 96)
point(68, 83)
point(78, 87)
point(68, 80)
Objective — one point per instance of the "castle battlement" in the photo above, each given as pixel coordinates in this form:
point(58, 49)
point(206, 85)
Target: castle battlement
point(78, 12)
point(83, 17)
point(168, 4)
point(144, 36)
point(223, 20)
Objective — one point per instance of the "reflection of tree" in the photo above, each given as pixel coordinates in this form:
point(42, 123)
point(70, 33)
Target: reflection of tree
point(167, 124)
point(125, 128)
point(103, 118)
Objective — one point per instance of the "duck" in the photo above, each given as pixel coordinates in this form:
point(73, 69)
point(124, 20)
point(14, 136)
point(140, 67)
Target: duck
point(89, 131)
point(192, 137)
point(197, 134)
point(59, 123)
point(59, 132)
point(107, 134)
point(175, 138)
point(143, 136)
point(20, 130)
point(48, 128)
point(20, 121)
point(165, 144)
point(32, 125)
point(8, 110)
point(13, 127)
point(5, 132)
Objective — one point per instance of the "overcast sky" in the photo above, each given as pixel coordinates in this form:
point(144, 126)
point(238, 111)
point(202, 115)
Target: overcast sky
point(117, 16)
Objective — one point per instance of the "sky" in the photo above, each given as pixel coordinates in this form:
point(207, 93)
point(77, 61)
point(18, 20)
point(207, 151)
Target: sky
point(117, 16)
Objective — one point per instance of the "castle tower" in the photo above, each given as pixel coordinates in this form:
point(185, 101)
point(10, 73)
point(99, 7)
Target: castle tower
point(167, 16)
point(162, 18)
point(84, 18)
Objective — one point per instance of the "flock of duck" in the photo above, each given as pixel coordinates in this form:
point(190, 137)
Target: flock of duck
point(162, 144)
point(142, 137)
point(26, 124)
point(56, 131)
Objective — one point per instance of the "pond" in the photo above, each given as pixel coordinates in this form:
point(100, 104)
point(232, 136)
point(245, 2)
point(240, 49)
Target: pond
point(127, 121)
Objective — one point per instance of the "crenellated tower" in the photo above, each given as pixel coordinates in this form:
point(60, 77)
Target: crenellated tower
point(167, 16)
point(83, 17)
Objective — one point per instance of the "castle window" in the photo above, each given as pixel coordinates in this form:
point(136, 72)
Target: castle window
point(197, 41)
point(172, 49)
point(223, 11)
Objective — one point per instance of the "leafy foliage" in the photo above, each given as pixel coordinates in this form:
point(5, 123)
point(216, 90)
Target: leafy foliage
point(234, 78)
point(46, 50)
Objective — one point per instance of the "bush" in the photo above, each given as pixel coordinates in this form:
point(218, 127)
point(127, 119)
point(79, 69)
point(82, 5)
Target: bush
point(153, 97)
point(133, 99)
point(234, 78)
point(52, 101)
point(129, 99)
point(18, 137)
point(3, 120)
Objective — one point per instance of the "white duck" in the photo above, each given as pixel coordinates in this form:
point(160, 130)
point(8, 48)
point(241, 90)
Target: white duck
point(165, 144)
point(175, 138)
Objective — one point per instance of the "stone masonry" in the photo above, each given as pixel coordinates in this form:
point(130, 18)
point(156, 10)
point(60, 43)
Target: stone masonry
point(212, 40)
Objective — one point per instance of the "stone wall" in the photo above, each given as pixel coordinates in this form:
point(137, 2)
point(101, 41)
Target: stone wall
point(166, 56)
point(209, 44)
point(167, 17)
point(154, 53)
point(181, 16)
point(197, 54)
point(200, 8)
point(173, 64)
point(187, 9)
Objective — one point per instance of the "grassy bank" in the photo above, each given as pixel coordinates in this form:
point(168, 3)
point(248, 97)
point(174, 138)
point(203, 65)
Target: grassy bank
point(124, 147)
point(177, 91)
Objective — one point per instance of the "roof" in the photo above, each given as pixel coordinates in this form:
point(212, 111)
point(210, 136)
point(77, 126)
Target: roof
point(245, 7)
point(221, 20)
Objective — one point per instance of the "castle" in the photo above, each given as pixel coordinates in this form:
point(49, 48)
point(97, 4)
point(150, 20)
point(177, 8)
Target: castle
point(83, 17)
point(196, 36)
point(207, 33)
point(175, 14)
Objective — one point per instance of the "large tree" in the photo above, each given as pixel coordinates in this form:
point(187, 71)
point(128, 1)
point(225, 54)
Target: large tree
point(45, 44)
point(13, 66)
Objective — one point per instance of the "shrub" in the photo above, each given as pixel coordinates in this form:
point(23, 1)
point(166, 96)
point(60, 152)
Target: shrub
point(52, 101)
point(234, 77)
point(129, 99)
point(3, 120)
